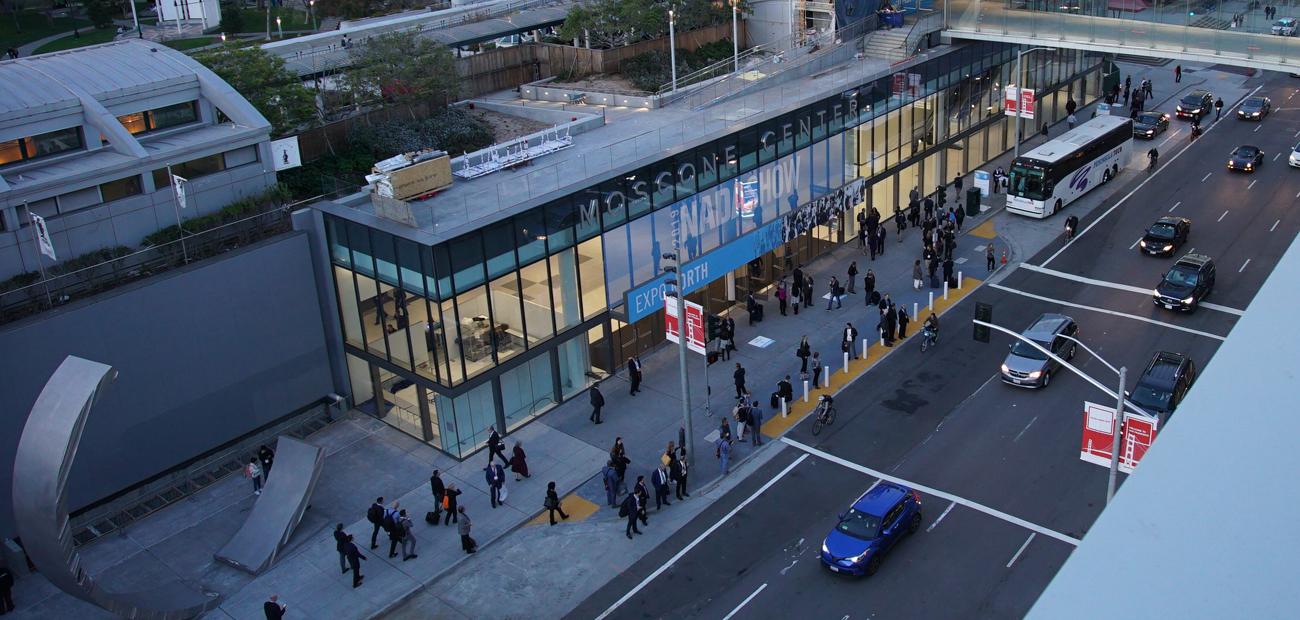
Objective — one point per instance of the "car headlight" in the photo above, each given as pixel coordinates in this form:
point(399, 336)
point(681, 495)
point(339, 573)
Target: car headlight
point(1036, 374)
point(1143, 243)
point(1189, 299)
point(1249, 166)
point(1180, 108)
point(1151, 132)
point(1168, 247)
point(825, 549)
point(861, 556)
point(1254, 113)
point(1155, 293)
point(1005, 369)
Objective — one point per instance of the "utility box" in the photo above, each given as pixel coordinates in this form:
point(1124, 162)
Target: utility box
point(973, 201)
point(412, 175)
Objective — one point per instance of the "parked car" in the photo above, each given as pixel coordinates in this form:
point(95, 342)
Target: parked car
point(1165, 236)
point(870, 528)
point(1294, 159)
point(1025, 365)
point(1186, 284)
point(1164, 383)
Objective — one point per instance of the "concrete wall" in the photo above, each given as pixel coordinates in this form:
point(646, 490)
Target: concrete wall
point(204, 354)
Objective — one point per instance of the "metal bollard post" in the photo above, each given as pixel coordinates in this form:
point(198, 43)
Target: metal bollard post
point(959, 278)
point(846, 362)
point(785, 411)
point(915, 310)
point(827, 377)
point(865, 344)
point(931, 301)
point(805, 390)
point(945, 290)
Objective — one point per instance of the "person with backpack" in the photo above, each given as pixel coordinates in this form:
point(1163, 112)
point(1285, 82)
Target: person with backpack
point(631, 509)
point(408, 536)
point(393, 525)
point(597, 401)
point(253, 471)
point(552, 503)
point(375, 515)
point(449, 504)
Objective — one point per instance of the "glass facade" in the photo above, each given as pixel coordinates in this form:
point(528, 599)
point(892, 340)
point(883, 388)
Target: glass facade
point(500, 324)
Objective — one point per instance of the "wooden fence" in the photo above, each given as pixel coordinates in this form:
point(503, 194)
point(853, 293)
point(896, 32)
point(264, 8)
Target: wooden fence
point(566, 59)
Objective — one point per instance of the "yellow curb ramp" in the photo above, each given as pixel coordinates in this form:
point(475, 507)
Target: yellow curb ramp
point(985, 230)
point(577, 507)
point(778, 425)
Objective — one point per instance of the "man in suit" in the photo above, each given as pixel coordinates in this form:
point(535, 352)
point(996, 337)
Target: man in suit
point(495, 446)
point(496, 477)
point(341, 545)
point(393, 525)
point(597, 401)
point(634, 374)
point(660, 481)
point(739, 377)
point(274, 608)
point(375, 515)
point(785, 390)
point(437, 488)
point(354, 560)
point(632, 507)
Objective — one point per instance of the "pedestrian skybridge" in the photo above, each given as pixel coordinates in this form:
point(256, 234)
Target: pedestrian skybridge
point(1235, 32)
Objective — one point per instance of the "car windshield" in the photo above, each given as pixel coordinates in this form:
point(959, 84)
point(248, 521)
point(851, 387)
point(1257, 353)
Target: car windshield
point(1245, 151)
point(859, 524)
point(1192, 101)
point(1182, 276)
point(1284, 22)
point(1028, 182)
point(1023, 349)
point(1253, 102)
point(1145, 397)
point(1148, 118)
point(1162, 231)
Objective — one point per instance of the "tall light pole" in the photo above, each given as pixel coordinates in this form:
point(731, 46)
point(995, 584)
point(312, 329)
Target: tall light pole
point(311, 10)
point(735, 35)
point(1019, 86)
point(279, 26)
point(672, 47)
point(675, 282)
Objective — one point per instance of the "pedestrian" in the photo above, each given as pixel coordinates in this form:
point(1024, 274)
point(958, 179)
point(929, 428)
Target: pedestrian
point(891, 325)
point(495, 446)
point(872, 243)
point(354, 561)
point(408, 536)
point(1128, 82)
point(917, 277)
point(393, 525)
point(597, 401)
point(7, 580)
point(519, 462)
point(868, 285)
point(1178, 73)
point(837, 294)
point(848, 340)
point(724, 429)
point(915, 194)
point(1150, 92)
point(724, 455)
point(816, 368)
point(375, 515)
point(900, 224)
point(1071, 105)
point(618, 456)
point(660, 481)
point(449, 504)
point(1126, 95)
point(438, 490)
point(880, 241)
point(643, 499)
point(853, 276)
point(677, 470)
point(798, 277)
point(1218, 108)
point(634, 374)
point(903, 320)
point(956, 185)
point(253, 471)
point(988, 256)
point(610, 476)
point(273, 608)
point(782, 297)
point(796, 293)
point(803, 352)
point(960, 218)
point(729, 336)
point(808, 291)
point(496, 478)
point(632, 511)
point(751, 308)
point(552, 503)
point(947, 270)
point(755, 425)
point(929, 207)
point(341, 545)
point(463, 526)
point(267, 457)
point(739, 377)
point(1070, 121)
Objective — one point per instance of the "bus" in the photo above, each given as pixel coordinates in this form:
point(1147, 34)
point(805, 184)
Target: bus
point(1057, 173)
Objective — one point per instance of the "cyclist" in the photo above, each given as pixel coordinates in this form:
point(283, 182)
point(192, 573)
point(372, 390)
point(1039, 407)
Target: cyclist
point(1071, 225)
point(1196, 130)
point(930, 330)
point(1154, 157)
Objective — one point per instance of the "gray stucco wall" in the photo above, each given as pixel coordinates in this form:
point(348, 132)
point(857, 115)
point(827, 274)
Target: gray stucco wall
point(204, 355)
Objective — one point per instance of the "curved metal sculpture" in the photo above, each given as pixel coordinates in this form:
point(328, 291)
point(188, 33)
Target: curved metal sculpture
point(41, 465)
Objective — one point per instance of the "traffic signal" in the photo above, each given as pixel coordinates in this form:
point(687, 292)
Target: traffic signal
point(983, 312)
point(942, 198)
point(714, 328)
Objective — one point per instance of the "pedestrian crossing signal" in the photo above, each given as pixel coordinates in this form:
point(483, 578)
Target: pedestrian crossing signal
point(983, 312)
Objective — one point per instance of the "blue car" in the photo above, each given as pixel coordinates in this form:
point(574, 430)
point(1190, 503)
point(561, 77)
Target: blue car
point(871, 527)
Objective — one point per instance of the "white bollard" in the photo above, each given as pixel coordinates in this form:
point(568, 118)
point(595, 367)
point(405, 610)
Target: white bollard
point(846, 362)
point(785, 411)
point(827, 376)
point(882, 339)
point(931, 301)
point(945, 290)
point(915, 311)
point(805, 390)
point(865, 344)
point(959, 277)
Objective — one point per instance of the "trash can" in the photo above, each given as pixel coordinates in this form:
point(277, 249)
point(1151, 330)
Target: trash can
point(973, 201)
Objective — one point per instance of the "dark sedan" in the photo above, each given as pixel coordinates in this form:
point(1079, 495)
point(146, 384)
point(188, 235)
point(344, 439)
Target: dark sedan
point(1165, 236)
point(1246, 158)
point(1148, 125)
point(1254, 109)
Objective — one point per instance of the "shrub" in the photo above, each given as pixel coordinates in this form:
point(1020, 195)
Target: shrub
point(454, 130)
point(651, 70)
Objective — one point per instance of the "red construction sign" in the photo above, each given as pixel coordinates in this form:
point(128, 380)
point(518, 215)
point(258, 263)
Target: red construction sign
point(1136, 437)
point(1026, 107)
point(694, 324)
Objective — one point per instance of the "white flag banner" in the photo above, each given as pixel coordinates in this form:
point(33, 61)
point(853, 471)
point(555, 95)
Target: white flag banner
point(43, 237)
point(181, 185)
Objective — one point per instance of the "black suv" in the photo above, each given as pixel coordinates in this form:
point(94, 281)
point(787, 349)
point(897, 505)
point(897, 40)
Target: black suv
point(1195, 105)
point(1164, 383)
point(1187, 283)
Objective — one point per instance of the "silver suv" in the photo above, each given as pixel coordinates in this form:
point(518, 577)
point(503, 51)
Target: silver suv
point(1025, 365)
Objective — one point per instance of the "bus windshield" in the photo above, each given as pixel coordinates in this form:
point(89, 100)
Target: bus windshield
point(1029, 183)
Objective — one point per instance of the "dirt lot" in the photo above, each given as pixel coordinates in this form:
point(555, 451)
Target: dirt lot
point(601, 83)
point(506, 127)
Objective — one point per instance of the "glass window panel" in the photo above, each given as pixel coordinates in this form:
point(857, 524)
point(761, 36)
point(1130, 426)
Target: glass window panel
point(729, 151)
point(121, 188)
point(53, 142)
point(587, 213)
point(641, 246)
point(785, 129)
point(474, 330)
point(820, 119)
point(467, 261)
point(748, 148)
point(499, 246)
point(819, 172)
point(409, 269)
point(507, 334)
point(684, 172)
point(452, 361)
point(442, 271)
point(240, 156)
point(575, 363)
point(535, 286)
point(661, 183)
point(173, 115)
point(618, 265)
point(591, 275)
point(348, 310)
point(11, 151)
point(564, 291)
point(475, 412)
point(766, 147)
point(634, 192)
point(560, 220)
point(706, 166)
point(134, 123)
point(527, 391)
point(376, 306)
point(530, 235)
point(835, 160)
point(385, 254)
point(336, 233)
point(803, 164)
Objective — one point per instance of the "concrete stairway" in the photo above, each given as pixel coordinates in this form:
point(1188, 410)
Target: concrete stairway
point(888, 45)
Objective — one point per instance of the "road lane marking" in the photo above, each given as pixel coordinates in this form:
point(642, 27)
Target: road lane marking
point(1135, 190)
point(745, 602)
point(1275, 226)
point(1207, 175)
point(1033, 527)
point(1225, 214)
point(1022, 431)
point(1017, 555)
point(1258, 128)
point(687, 549)
point(945, 513)
point(1243, 266)
point(1252, 184)
point(1110, 312)
point(1135, 243)
point(1121, 287)
point(1277, 156)
point(1171, 209)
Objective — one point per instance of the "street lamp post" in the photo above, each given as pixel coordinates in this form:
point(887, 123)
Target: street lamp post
point(279, 26)
point(268, 20)
point(735, 35)
point(311, 11)
point(672, 47)
point(1019, 86)
point(675, 281)
point(1118, 394)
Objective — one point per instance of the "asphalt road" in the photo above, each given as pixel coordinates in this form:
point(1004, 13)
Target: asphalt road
point(942, 419)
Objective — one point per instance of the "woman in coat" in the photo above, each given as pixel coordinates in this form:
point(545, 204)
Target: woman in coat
point(518, 462)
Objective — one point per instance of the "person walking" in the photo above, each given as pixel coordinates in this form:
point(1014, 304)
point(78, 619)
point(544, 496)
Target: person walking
point(1178, 73)
point(597, 401)
point(816, 369)
point(868, 285)
point(341, 545)
point(393, 525)
point(880, 241)
point(408, 536)
point(463, 525)
point(610, 477)
point(988, 256)
point(253, 471)
point(739, 377)
point(728, 336)
point(724, 455)
point(872, 243)
point(495, 446)
point(853, 276)
point(947, 271)
point(375, 515)
point(803, 352)
point(956, 185)
point(519, 462)
point(273, 608)
point(796, 292)
point(755, 425)
point(354, 561)
point(903, 320)
point(496, 478)
point(1218, 108)
point(634, 374)
point(798, 278)
point(917, 276)
point(848, 340)
point(618, 456)
point(449, 504)
point(659, 479)
point(959, 216)
point(785, 390)
point(782, 297)
point(552, 503)
point(677, 471)
point(438, 490)
point(643, 499)
point(1070, 121)
point(632, 510)
point(837, 294)
point(267, 457)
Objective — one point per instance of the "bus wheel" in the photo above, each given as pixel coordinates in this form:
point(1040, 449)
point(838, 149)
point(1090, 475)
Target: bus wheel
point(1105, 176)
point(1114, 170)
point(1057, 208)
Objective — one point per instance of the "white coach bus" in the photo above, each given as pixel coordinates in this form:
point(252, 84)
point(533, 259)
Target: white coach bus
point(1055, 174)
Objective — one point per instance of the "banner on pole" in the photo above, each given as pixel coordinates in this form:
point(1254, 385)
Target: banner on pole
point(694, 324)
point(1025, 107)
point(43, 236)
point(181, 186)
point(1137, 433)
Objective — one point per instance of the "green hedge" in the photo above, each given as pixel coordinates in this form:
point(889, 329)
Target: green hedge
point(232, 212)
point(649, 71)
point(89, 259)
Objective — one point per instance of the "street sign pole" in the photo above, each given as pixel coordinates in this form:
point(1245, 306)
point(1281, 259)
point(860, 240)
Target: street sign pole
point(682, 338)
point(1114, 436)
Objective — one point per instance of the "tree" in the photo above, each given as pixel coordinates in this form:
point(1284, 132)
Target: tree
point(232, 20)
point(403, 67)
point(348, 9)
point(100, 13)
point(615, 23)
point(264, 81)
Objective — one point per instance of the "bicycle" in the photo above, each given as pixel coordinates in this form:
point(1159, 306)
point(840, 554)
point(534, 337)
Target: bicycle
point(929, 338)
point(824, 415)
